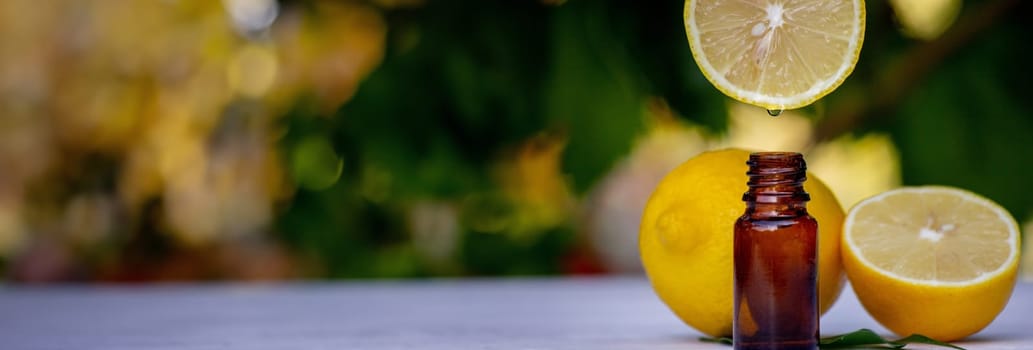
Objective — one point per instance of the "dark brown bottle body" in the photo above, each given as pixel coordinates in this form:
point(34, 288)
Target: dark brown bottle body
point(776, 258)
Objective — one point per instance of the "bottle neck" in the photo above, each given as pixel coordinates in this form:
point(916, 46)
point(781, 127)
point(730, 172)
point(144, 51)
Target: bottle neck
point(776, 185)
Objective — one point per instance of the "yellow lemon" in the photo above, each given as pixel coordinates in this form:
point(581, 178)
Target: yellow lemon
point(685, 238)
point(772, 53)
point(937, 261)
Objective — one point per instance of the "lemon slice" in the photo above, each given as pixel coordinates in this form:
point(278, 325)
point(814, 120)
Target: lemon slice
point(938, 261)
point(777, 54)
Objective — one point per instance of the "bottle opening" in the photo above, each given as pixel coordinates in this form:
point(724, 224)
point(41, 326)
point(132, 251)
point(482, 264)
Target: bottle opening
point(776, 177)
point(774, 162)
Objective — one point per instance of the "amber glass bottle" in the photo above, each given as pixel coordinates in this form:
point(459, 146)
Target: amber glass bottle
point(776, 261)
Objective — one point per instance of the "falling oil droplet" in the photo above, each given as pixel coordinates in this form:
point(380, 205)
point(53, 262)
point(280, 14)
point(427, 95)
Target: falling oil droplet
point(774, 112)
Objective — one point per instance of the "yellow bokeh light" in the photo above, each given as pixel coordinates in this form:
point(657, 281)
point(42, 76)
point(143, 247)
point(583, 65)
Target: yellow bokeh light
point(925, 19)
point(12, 229)
point(252, 70)
point(856, 168)
point(751, 127)
point(532, 179)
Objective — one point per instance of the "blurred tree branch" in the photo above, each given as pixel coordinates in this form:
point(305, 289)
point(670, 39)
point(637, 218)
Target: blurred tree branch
point(894, 84)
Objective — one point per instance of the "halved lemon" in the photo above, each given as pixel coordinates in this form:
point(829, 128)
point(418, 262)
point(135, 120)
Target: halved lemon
point(933, 260)
point(777, 54)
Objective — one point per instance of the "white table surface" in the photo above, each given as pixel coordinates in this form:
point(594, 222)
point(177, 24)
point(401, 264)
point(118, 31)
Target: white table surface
point(583, 313)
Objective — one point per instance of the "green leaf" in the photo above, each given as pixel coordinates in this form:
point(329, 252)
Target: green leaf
point(921, 339)
point(721, 340)
point(860, 338)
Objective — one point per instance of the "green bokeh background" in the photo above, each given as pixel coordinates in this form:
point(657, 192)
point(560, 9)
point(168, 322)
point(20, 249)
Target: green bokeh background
point(463, 82)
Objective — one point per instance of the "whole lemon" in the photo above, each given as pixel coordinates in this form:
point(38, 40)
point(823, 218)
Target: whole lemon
point(686, 237)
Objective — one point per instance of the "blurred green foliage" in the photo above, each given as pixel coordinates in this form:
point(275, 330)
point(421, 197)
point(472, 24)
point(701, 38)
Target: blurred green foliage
point(463, 81)
point(442, 161)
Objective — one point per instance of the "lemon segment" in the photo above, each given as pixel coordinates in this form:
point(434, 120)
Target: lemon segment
point(938, 261)
point(777, 54)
